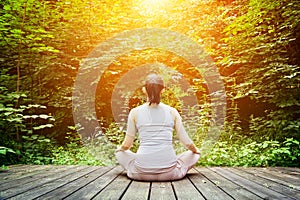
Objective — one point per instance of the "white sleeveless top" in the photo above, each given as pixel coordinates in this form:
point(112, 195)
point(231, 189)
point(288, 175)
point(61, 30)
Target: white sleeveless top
point(155, 125)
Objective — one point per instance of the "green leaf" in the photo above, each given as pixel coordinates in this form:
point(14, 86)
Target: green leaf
point(4, 150)
point(43, 126)
point(44, 116)
point(6, 7)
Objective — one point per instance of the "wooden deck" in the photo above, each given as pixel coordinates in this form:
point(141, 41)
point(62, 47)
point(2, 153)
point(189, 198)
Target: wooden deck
point(88, 182)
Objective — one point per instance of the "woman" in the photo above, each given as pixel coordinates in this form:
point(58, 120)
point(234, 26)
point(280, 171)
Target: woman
point(154, 122)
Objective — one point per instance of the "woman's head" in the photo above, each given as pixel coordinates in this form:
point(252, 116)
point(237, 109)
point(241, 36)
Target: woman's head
point(154, 86)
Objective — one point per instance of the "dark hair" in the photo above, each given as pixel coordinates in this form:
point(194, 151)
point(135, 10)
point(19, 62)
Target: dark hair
point(153, 91)
point(154, 86)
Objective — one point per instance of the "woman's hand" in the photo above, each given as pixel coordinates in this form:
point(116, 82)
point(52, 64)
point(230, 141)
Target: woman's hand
point(127, 143)
point(119, 148)
point(193, 148)
point(197, 151)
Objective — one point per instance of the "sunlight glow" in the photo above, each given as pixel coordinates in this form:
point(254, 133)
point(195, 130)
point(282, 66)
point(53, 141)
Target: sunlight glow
point(153, 7)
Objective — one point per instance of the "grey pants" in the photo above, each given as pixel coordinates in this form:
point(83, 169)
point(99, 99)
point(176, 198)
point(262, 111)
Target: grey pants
point(185, 162)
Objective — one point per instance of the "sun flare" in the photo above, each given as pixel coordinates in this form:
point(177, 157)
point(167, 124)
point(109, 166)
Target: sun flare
point(153, 7)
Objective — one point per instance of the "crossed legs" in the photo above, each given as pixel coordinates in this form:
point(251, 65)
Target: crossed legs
point(185, 162)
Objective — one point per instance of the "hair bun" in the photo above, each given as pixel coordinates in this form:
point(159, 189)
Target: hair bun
point(154, 79)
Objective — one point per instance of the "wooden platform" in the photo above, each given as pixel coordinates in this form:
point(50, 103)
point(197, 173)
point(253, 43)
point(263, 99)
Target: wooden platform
point(88, 182)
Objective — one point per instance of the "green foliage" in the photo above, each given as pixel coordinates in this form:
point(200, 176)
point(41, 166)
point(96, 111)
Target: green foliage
point(7, 156)
point(30, 147)
point(4, 150)
point(261, 49)
point(275, 125)
point(36, 149)
point(74, 154)
point(115, 134)
point(251, 153)
point(255, 45)
point(24, 127)
point(102, 149)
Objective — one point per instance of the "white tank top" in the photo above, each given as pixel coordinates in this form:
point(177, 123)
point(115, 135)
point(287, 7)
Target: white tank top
point(155, 125)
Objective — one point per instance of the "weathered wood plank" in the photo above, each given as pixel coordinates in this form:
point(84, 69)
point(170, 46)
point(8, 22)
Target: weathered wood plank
point(184, 189)
point(85, 182)
point(71, 186)
point(286, 170)
point(116, 189)
point(283, 189)
point(235, 190)
point(260, 190)
point(51, 185)
point(20, 167)
point(138, 191)
point(37, 183)
point(207, 188)
point(96, 186)
point(21, 171)
point(285, 179)
point(20, 179)
point(162, 191)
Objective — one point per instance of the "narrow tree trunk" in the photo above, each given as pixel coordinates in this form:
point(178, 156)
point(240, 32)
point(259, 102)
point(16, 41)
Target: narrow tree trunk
point(19, 65)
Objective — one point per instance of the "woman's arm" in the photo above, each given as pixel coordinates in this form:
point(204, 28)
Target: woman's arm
point(182, 134)
point(130, 132)
point(193, 148)
point(127, 143)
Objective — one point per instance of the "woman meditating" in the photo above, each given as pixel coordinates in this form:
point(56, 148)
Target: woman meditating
point(154, 123)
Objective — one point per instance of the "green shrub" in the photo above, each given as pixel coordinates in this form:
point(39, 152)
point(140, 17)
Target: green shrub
point(36, 149)
point(73, 154)
point(251, 153)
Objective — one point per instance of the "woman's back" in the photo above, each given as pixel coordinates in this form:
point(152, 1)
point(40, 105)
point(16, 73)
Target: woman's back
point(154, 122)
point(155, 125)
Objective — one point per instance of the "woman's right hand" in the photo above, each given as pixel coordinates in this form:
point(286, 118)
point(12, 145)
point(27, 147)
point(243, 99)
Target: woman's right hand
point(193, 148)
point(197, 151)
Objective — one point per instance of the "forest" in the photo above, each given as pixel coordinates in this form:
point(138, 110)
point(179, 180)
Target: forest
point(70, 71)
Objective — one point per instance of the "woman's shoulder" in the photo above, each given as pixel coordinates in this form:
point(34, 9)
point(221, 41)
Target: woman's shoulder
point(166, 106)
point(146, 106)
point(137, 108)
point(170, 108)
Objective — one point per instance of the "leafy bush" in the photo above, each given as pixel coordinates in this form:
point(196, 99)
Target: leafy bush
point(7, 156)
point(251, 153)
point(42, 47)
point(5, 150)
point(74, 154)
point(275, 125)
point(36, 149)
